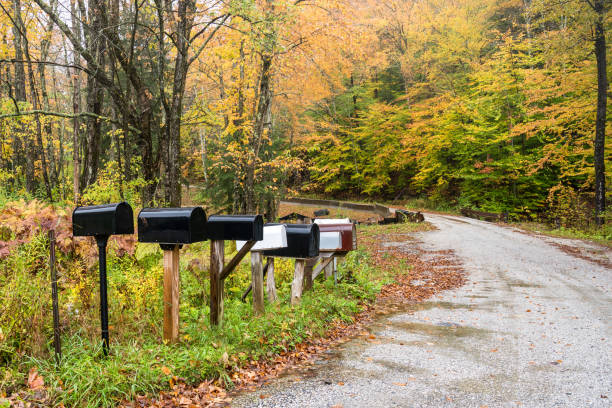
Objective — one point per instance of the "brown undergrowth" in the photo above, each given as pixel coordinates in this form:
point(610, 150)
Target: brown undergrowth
point(429, 273)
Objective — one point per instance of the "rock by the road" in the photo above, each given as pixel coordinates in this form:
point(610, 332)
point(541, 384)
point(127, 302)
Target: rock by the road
point(531, 328)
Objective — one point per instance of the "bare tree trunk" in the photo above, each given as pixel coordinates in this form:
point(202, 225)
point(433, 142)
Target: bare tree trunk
point(20, 96)
point(203, 145)
point(76, 106)
point(186, 9)
point(44, 53)
point(96, 43)
point(600, 122)
point(39, 139)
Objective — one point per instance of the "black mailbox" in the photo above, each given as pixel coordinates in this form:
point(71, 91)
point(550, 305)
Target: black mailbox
point(102, 221)
point(302, 242)
point(172, 226)
point(235, 227)
point(107, 219)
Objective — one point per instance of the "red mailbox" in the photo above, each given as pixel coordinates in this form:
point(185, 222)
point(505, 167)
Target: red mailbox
point(348, 235)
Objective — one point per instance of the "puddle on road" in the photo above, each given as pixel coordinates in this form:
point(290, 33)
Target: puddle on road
point(418, 307)
point(523, 284)
point(440, 330)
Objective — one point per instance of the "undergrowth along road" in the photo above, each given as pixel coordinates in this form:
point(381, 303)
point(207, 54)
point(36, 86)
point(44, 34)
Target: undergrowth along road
point(208, 362)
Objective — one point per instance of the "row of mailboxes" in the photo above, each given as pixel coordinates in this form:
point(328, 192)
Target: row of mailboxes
point(165, 225)
point(177, 226)
point(173, 227)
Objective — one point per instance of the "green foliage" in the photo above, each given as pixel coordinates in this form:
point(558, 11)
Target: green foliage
point(111, 187)
point(483, 111)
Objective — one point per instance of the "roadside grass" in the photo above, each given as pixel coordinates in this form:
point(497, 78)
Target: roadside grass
point(602, 236)
point(140, 363)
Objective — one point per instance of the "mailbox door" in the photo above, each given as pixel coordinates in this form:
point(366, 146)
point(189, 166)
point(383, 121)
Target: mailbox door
point(330, 241)
point(274, 237)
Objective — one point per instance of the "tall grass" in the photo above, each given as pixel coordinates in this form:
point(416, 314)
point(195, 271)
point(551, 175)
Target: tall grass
point(139, 361)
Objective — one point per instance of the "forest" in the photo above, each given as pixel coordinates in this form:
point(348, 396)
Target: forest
point(489, 105)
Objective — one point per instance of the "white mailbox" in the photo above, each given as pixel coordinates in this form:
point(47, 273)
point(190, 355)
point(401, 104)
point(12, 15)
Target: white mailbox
point(324, 221)
point(274, 237)
point(330, 242)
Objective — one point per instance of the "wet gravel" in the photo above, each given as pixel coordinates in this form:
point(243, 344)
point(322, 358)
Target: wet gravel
point(531, 328)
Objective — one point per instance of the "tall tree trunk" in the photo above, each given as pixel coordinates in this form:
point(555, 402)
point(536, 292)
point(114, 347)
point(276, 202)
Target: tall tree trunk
point(186, 9)
point(20, 96)
point(76, 106)
point(96, 43)
point(202, 135)
point(44, 53)
point(600, 122)
point(40, 147)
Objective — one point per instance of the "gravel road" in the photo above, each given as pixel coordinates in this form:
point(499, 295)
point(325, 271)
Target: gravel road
point(531, 328)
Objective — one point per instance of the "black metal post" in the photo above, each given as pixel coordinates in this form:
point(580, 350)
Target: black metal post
point(57, 345)
point(102, 240)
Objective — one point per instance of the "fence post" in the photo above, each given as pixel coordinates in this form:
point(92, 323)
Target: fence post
point(171, 293)
point(257, 282)
point(217, 259)
point(57, 345)
point(298, 281)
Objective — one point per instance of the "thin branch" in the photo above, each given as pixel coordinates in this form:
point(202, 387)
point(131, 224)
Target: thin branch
point(199, 51)
point(63, 115)
point(55, 64)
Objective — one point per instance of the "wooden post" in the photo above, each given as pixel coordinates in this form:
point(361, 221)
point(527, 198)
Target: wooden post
point(298, 280)
point(248, 290)
point(329, 270)
point(308, 267)
point(270, 282)
point(217, 259)
point(336, 260)
point(233, 263)
point(324, 263)
point(257, 282)
point(171, 294)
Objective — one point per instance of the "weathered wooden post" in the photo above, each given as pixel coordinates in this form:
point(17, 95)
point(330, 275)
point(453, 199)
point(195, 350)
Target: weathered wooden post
point(298, 281)
point(308, 268)
point(329, 270)
point(171, 228)
point(270, 282)
point(274, 237)
point(223, 228)
point(257, 282)
point(102, 221)
point(171, 292)
point(217, 260)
